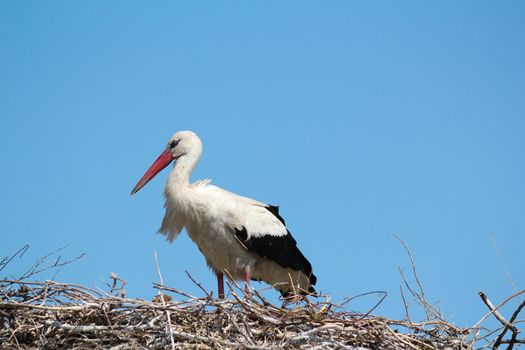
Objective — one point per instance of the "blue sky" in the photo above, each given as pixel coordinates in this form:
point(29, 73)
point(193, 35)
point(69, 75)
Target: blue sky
point(361, 119)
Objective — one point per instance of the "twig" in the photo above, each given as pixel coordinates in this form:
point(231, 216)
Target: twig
point(383, 297)
point(496, 313)
point(34, 270)
point(405, 304)
point(498, 307)
point(198, 284)
point(170, 327)
point(6, 260)
point(499, 339)
point(502, 262)
point(421, 290)
point(430, 310)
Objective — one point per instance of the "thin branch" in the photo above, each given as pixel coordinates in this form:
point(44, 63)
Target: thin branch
point(499, 339)
point(498, 307)
point(502, 262)
point(208, 295)
point(170, 327)
point(496, 313)
point(20, 253)
point(421, 289)
point(405, 304)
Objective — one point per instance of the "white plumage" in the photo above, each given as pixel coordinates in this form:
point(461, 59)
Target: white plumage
point(237, 235)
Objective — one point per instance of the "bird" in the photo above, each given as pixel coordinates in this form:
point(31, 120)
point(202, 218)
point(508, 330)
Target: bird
point(240, 237)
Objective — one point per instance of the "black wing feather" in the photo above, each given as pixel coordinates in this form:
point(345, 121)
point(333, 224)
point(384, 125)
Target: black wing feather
point(274, 209)
point(281, 249)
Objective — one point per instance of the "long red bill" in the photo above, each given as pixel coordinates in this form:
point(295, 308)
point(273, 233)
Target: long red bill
point(162, 161)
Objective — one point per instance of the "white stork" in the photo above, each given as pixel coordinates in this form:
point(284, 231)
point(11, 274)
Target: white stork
point(239, 236)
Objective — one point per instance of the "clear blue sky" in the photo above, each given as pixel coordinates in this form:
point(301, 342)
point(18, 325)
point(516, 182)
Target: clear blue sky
point(361, 119)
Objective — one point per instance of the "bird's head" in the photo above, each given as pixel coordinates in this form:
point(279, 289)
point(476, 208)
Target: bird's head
point(184, 143)
point(181, 144)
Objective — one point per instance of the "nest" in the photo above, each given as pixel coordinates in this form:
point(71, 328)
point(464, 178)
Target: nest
point(52, 315)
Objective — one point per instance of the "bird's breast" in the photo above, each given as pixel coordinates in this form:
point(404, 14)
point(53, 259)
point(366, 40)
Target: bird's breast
point(222, 250)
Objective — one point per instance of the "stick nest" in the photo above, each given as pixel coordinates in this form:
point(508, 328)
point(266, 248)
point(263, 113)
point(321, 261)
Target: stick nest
point(52, 315)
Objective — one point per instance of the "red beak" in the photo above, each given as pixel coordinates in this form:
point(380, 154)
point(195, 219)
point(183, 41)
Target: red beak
point(162, 161)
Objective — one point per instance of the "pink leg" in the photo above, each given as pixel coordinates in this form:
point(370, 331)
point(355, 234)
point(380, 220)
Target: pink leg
point(220, 282)
point(247, 282)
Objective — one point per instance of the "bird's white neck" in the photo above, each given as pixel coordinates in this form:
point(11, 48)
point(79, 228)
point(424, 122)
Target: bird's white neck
point(180, 175)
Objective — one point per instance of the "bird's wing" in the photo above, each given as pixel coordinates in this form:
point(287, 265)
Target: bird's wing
point(260, 228)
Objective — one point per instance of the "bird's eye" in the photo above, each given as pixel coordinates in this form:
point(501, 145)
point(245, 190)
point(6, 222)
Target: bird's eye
point(174, 143)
